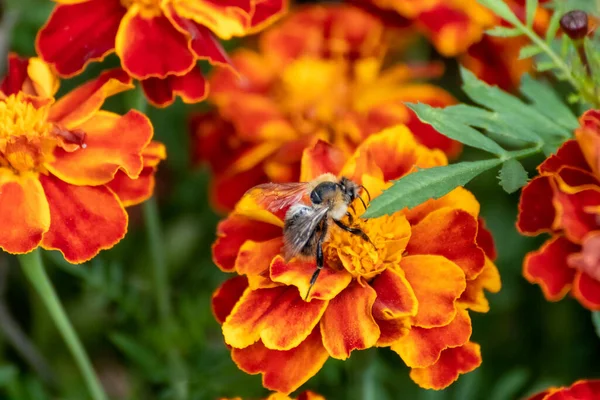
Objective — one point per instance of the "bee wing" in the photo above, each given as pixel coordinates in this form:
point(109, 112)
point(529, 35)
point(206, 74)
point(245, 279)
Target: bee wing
point(277, 196)
point(301, 223)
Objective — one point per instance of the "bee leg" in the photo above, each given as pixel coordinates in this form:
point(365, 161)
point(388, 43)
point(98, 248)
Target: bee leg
point(350, 217)
point(320, 262)
point(354, 231)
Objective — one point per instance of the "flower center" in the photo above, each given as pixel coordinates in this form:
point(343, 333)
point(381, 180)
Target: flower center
point(148, 8)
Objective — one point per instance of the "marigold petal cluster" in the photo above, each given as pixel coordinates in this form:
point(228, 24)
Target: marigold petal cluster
point(159, 42)
point(564, 201)
point(67, 167)
point(580, 390)
point(410, 290)
point(318, 76)
point(306, 395)
point(457, 29)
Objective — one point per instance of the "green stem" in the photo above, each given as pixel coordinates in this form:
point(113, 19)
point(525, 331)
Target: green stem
point(34, 270)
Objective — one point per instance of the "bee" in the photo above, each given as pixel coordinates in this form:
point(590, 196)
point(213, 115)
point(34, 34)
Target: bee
point(311, 208)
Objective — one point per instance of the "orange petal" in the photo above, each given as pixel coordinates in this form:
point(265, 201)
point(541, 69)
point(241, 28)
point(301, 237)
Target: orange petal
point(308, 395)
point(548, 267)
point(232, 232)
point(133, 191)
point(29, 75)
point(588, 137)
point(395, 296)
point(473, 297)
point(485, 240)
point(452, 363)
point(226, 297)
point(321, 159)
point(536, 211)
point(225, 18)
point(437, 283)
point(587, 290)
point(348, 322)
point(580, 390)
point(460, 198)
point(450, 233)
point(151, 47)
point(227, 189)
point(83, 219)
point(577, 212)
point(25, 215)
point(112, 143)
point(422, 347)
point(588, 260)
point(284, 371)
point(298, 273)
point(567, 155)
point(277, 315)
point(191, 87)
point(82, 103)
point(254, 258)
point(77, 34)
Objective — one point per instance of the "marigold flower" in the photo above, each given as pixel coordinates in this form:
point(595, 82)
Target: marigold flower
point(307, 395)
point(457, 28)
point(318, 76)
point(159, 42)
point(410, 292)
point(68, 168)
point(580, 390)
point(564, 201)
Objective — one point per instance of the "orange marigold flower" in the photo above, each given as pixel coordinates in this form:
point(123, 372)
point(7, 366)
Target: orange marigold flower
point(564, 201)
point(159, 42)
point(457, 28)
point(318, 76)
point(580, 390)
point(67, 170)
point(307, 395)
point(411, 291)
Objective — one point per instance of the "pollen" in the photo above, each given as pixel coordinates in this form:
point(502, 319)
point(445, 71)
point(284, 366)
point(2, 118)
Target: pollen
point(148, 8)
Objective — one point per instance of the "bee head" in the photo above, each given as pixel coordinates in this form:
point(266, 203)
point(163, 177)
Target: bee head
point(350, 190)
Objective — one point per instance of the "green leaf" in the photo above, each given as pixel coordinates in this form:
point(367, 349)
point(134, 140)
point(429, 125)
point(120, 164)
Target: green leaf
point(144, 358)
point(512, 176)
point(547, 102)
point(596, 321)
point(529, 51)
point(426, 184)
point(8, 373)
point(510, 384)
point(501, 31)
point(500, 8)
point(553, 25)
point(545, 66)
point(531, 7)
point(454, 129)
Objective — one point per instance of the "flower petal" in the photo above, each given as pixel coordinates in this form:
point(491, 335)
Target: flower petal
point(423, 347)
point(580, 390)
point(548, 267)
point(112, 143)
point(588, 138)
point(254, 258)
point(80, 104)
point(437, 283)
point(29, 75)
point(77, 34)
point(451, 364)
point(587, 290)
point(278, 316)
point(83, 219)
point(284, 371)
point(577, 213)
point(348, 322)
point(227, 296)
point(568, 155)
point(485, 240)
point(266, 12)
point(395, 296)
point(453, 233)
point(225, 18)
point(150, 46)
point(191, 87)
point(536, 211)
point(473, 297)
point(460, 198)
point(24, 215)
point(298, 273)
point(320, 159)
point(133, 191)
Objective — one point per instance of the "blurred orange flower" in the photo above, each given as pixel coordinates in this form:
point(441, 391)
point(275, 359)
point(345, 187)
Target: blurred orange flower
point(580, 390)
point(318, 76)
point(159, 42)
point(457, 29)
point(68, 168)
point(307, 395)
point(410, 292)
point(564, 201)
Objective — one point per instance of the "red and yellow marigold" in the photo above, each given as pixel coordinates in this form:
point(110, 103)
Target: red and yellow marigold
point(68, 168)
point(411, 292)
point(564, 201)
point(580, 390)
point(457, 29)
point(158, 41)
point(318, 76)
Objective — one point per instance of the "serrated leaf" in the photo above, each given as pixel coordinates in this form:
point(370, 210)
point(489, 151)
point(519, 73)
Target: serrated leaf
point(454, 129)
point(500, 8)
point(529, 51)
point(547, 102)
point(425, 184)
point(596, 321)
point(501, 31)
point(553, 25)
point(530, 8)
point(512, 176)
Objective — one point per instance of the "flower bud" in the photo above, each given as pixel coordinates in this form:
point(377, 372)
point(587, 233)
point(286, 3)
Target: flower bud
point(575, 24)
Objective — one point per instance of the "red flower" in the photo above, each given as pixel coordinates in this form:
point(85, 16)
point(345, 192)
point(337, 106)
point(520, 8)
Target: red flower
point(580, 390)
point(158, 42)
point(307, 395)
point(268, 116)
point(68, 168)
point(410, 291)
point(564, 201)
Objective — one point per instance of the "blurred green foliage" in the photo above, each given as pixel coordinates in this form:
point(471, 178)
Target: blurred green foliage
point(527, 343)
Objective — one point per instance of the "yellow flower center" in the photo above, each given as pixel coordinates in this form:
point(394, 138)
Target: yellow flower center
point(26, 138)
point(147, 8)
